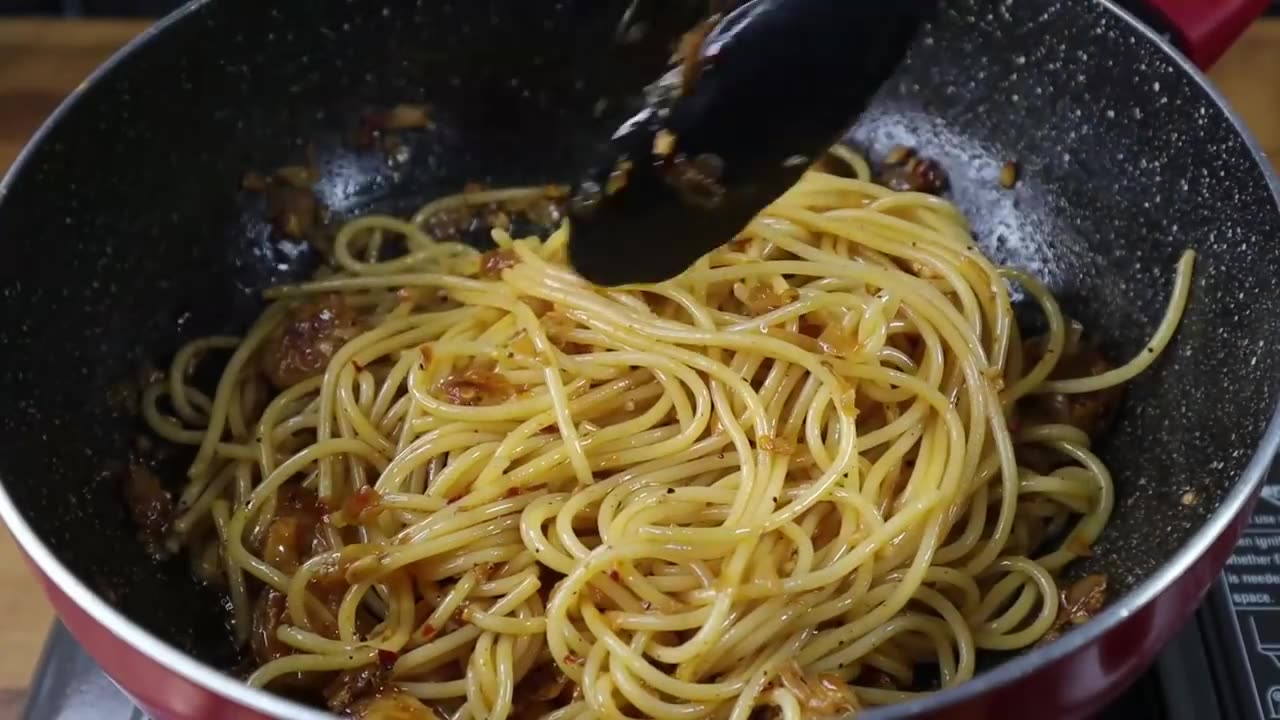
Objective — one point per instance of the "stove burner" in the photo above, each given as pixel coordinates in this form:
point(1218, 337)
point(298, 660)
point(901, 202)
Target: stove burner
point(69, 685)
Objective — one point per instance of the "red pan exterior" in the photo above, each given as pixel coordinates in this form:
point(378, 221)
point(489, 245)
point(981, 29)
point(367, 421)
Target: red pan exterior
point(1206, 29)
point(1074, 683)
point(159, 691)
point(1075, 687)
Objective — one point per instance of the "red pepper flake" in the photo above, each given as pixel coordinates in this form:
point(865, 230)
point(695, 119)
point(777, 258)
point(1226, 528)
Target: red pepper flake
point(429, 631)
point(514, 492)
point(572, 660)
point(615, 576)
point(387, 658)
point(361, 506)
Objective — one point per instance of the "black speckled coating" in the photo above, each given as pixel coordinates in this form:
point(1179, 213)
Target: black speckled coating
point(1124, 163)
point(124, 231)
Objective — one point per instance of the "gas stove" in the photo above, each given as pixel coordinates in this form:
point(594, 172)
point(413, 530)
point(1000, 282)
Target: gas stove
point(1224, 665)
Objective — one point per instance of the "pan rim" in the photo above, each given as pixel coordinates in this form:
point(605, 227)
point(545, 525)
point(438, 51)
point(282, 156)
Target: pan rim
point(211, 679)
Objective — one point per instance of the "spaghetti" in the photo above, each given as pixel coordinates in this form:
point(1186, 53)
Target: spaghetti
point(779, 483)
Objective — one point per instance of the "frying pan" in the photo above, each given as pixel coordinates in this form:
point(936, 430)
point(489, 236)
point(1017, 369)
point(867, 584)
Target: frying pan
point(124, 233)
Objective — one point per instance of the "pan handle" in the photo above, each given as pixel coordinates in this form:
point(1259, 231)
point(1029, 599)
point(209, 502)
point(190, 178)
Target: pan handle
point(1203, 29)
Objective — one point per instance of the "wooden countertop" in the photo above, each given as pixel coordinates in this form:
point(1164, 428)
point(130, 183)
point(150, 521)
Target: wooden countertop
point(41, 61)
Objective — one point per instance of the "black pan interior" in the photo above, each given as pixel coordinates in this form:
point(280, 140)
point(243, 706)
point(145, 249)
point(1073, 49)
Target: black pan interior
point(125, 231)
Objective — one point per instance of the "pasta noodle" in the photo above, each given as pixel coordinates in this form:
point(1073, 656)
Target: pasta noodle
point(787, 480)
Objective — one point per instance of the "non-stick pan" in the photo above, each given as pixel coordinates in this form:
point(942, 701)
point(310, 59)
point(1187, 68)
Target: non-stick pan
point(124, 232)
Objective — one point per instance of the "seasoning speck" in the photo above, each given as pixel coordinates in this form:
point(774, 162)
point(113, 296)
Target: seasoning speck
point(664, 143)
point(1009, 175)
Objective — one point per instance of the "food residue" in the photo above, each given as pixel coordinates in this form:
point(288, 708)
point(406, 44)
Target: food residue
point(1091, 412)
point(493, 262)
point(913, 173)
point(1009, 175)
point(355, 684)
point(477, 387)
point(697, 181)
point(777, 445)
point(149, 505)
point(1077, 604)
point(302, 346)
point(689, 53)
point(763, 299)
point(824, 695)
point(664, 143)
point(405, 116)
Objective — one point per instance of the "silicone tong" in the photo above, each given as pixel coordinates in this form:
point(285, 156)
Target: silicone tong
point(760, 92)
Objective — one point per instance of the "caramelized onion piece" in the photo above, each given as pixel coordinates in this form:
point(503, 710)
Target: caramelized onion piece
point(268, 614)
point(356, 684)
point(391, 705)
point(1077, 604)
point(821, 696)
point(906, 171)
point(476, 387)
point(762, 299)
point(302, 346)
point(149, 505)
point(1090, 412)
point(1083, 599)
